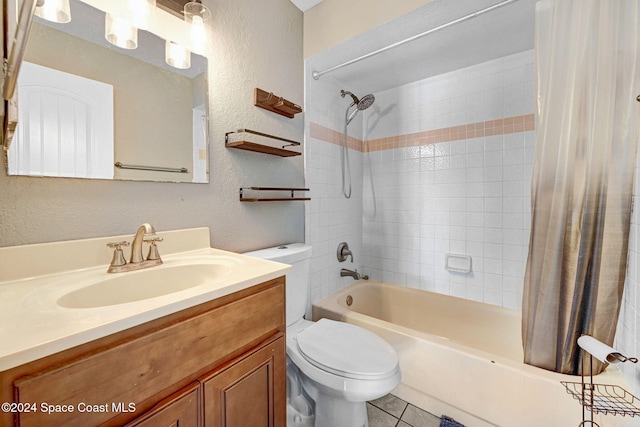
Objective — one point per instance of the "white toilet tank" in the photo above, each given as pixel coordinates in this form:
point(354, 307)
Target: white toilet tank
point(297, 289)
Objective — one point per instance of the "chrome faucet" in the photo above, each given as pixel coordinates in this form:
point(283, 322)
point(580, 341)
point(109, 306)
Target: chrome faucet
point(145, 233)
point(349, 273)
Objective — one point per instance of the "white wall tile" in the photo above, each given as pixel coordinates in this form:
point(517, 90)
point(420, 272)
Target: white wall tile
point(480, 211)
point(468, 196)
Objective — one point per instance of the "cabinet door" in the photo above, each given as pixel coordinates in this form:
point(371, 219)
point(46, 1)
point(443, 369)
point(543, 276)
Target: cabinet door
point(250, 391)
point(179, 410)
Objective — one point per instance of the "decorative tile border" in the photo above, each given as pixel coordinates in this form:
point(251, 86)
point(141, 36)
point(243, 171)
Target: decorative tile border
point(473, 130)
point(329, 135)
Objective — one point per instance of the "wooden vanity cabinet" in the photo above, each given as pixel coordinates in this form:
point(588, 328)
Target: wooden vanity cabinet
point(244, 393)
point(221, 363)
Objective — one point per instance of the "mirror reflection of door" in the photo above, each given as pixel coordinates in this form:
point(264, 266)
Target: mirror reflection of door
point(65, 127)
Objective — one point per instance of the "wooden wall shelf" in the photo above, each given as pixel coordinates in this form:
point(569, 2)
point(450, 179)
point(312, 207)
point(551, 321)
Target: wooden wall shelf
point(261, 148)
point(275, 103)
point(243, 198)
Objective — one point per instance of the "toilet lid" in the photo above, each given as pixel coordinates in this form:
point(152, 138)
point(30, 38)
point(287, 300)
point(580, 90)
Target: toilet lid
point(347, 350)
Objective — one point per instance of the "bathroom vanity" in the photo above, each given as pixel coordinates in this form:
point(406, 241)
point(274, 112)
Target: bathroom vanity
point(208, 355)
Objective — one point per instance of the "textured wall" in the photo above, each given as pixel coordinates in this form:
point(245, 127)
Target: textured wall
point(254, 44)
point(334, 21)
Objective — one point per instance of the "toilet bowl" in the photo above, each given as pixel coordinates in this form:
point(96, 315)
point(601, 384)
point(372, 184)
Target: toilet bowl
point(333, 368)
point(341, 366)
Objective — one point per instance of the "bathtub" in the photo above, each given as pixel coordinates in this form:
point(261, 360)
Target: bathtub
point(463, 358)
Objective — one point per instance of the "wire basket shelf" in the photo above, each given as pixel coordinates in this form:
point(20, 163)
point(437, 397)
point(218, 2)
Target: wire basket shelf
point(604, 399)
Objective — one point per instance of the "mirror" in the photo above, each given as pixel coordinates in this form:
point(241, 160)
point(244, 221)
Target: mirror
point(88, 109)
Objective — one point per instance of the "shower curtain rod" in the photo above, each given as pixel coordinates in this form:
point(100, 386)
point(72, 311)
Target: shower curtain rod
point(316, 74)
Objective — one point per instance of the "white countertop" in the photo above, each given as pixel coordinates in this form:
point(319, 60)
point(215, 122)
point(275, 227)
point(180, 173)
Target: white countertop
point(33, 325)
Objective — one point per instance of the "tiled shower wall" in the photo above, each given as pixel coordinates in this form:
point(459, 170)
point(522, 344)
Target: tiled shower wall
point(457, 180)
point(444, 168)
point(330, 218)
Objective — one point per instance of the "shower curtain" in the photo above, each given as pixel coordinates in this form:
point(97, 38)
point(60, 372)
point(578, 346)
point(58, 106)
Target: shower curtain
point(587, 64)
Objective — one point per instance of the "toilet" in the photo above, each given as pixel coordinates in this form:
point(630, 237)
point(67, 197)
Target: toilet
point(333, 368)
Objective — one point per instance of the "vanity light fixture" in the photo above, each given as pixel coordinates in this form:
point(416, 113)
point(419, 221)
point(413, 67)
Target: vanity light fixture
point(55, 11)
point(196, 9)
point(119, 32)
point(177, 56)
point(140, 12)
point(196, 14)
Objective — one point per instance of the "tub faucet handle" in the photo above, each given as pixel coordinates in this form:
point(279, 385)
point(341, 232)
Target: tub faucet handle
point(344, 252)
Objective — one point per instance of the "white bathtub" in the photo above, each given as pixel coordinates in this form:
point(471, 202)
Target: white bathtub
point(463, 358)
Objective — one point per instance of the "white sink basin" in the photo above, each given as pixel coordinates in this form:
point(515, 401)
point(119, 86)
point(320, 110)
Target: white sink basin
point(143, 284)
point(58, 295)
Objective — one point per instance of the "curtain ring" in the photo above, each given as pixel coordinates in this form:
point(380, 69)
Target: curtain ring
point(638, 98)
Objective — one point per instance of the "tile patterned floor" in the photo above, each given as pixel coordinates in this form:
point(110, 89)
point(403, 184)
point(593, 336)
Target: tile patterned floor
point(391, 411)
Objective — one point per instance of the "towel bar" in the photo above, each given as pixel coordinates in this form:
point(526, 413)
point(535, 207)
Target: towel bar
point(151, 168)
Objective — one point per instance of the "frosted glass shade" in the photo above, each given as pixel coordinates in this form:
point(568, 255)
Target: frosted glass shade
point(55, 11)
point(195, 8)
point(198, 35)
point(196, 14)
point(177, 56)
point(120, 33)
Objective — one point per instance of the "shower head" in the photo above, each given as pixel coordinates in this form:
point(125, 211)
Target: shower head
point(365, 102)
point(361, 104)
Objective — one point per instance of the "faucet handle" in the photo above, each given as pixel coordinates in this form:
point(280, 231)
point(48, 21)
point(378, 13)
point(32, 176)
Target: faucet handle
point(118, 245)
point(153, 249)
point(118, 259)
point(344, 252)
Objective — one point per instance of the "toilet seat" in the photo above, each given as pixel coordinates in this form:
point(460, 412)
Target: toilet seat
point(347, 350)
point(327, 388)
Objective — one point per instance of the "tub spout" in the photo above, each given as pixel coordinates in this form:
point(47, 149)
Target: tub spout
point(344, 273)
